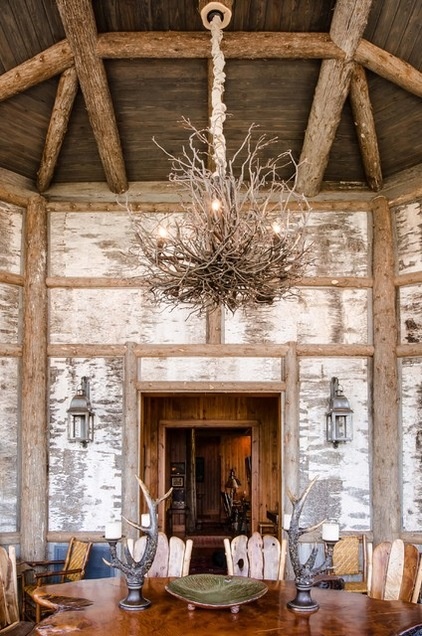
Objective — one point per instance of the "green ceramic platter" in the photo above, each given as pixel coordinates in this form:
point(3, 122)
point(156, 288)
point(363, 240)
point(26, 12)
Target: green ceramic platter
point(216, 591)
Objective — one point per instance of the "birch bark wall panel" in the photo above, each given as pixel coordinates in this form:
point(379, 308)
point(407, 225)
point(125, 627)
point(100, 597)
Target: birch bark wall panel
point(9, 436)
point(10, 238)
point(340, 243)
point(90, 477)
point(318, 316)
point(411, 404)
point(410, 302)
point(10, 304)
point(94, 244)
point(116, 316)
point(344, 472)
point(408, 226)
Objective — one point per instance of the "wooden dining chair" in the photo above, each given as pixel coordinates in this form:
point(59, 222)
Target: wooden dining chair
point(72, 568)
point(10, 622)
point(171, 559)
point(257, 557)
point(396, 572)
point(352, 558)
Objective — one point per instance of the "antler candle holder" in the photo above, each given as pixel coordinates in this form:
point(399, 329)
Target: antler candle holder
point(134, 568)
point(304, 573)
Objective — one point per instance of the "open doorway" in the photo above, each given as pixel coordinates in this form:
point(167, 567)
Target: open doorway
point(253, 417)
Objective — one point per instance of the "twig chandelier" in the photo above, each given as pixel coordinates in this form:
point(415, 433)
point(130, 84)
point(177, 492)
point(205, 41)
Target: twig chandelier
point(236, 242)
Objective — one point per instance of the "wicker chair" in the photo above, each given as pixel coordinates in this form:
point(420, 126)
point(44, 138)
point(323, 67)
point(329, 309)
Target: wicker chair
point(259, 557)
point(352, 558)
point(39, 573)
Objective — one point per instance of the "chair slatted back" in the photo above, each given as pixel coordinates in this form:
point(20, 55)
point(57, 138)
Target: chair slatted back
point(396, 571)
point(172, 557)
point(76, 558)
point(257, 557)
point(9, 609)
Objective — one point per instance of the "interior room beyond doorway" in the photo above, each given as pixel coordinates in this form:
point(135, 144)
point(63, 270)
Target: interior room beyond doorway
point(191, 442)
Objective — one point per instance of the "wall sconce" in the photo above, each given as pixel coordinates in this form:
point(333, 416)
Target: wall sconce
point(81, 416)
point(339, 416)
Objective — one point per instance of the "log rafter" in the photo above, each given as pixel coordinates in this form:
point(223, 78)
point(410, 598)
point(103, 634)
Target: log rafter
point(80, 27)
point(348, 23)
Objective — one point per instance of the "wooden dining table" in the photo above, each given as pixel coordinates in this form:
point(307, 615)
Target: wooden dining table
point(340, 613)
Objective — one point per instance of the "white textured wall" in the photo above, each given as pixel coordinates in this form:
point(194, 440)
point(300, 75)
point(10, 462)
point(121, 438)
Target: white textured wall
point(343, 488)
point(85, 483)
point(9, 417)
point(408, 225)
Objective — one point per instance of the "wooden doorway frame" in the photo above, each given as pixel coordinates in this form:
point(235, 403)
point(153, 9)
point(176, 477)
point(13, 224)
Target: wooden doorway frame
point(254, 425)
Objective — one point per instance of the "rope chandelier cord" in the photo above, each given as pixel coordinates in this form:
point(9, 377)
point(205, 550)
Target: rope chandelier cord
point(240, 238)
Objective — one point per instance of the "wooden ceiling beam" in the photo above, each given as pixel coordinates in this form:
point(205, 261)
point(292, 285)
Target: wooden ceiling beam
point(389, 67)
point(365, 127)
point(65, 97)
point(41, 67)
point(240, 45)
point(349, 21)
point(81, 31)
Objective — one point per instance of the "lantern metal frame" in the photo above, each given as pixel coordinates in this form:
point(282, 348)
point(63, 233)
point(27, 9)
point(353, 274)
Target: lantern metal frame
point(81, 416)
point(339, 417)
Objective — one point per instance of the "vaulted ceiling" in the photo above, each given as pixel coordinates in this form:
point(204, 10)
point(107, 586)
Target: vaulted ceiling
point(86, 85)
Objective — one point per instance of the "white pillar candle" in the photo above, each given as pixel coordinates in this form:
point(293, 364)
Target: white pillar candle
point(330, 531)
point(145, 520)
point(113, 530)
point(287, 519)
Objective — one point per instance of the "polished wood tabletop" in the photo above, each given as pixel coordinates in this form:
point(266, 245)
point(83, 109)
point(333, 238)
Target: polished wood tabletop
point(341, 613)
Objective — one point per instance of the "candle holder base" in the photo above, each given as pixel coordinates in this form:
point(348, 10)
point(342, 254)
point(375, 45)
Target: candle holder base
point(303, 602)
point(135, 601)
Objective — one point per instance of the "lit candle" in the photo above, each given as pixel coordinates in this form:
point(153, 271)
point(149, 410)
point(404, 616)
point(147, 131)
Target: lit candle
point(287, 519)
point(113, 530)
point(330, 531)
point(145, 520)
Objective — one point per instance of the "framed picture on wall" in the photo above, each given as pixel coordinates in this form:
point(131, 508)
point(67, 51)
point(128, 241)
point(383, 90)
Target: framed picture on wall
point(177, 468)
point(178, 482)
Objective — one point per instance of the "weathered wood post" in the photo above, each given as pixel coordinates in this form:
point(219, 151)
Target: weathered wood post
point(291, 427)
point(34, 426)
point(130, 441)
point(386, 502)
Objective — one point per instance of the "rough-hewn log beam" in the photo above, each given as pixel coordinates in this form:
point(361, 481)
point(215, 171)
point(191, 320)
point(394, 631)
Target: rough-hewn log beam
point(291, 428)
point(79, 23)
point(65, 97)
point(11, 279)
point(33, 470)
point(130, 440)
point(385, 442)
point(389, 67)
point(49, 63)
point(347, 26)
point(365, 127)
point(236, 45)
point(87, 282)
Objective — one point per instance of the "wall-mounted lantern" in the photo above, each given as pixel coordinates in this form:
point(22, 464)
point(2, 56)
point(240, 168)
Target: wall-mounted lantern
point(81, 416)
point(339, 418)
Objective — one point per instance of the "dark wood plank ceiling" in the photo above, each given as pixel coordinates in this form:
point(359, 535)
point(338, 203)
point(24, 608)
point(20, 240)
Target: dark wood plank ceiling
point(149, 95)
